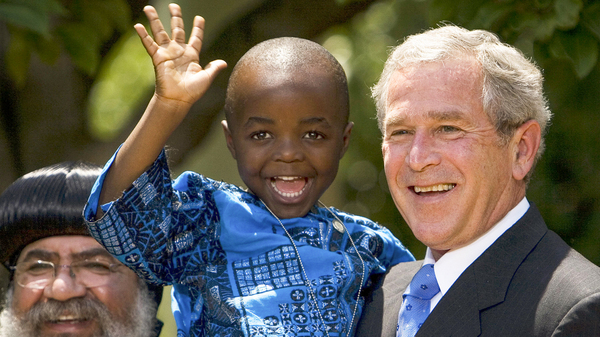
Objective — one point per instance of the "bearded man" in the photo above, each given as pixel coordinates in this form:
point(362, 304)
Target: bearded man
point(63, 282)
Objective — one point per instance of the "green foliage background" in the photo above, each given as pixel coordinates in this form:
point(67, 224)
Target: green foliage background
point(561, 36)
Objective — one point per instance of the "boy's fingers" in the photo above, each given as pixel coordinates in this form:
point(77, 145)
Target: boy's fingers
point(214, 67)
point(147, 40)
point(160, 35)
point(197, 34)
point(177, 30)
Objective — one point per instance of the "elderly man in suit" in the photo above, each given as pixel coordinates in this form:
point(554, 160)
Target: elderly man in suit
point(463, 117)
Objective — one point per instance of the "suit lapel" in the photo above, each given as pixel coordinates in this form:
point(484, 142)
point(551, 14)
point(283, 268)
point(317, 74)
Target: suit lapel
point(485, 283)
point(396, 282)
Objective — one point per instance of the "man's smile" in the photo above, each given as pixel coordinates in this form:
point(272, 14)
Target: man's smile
point(433, 188)
point(68, 319)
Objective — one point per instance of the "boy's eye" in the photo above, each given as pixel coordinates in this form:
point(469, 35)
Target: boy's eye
point(261, 135)
point(313, 135)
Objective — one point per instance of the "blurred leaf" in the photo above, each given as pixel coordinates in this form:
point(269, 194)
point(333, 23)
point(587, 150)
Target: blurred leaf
point(489, 14)
point(580, 48)
point(25, 17)
point(542, 4)
point(17, 57)
point(522, 21)
point(48, 49)
point(101, 24)
point(46, 6)
point(31, 14)
point(544, 30)
point(117, 11)
point(591, 19)
point(567, 13)
point(106, 16)
point(123, 80)
point(82, 44)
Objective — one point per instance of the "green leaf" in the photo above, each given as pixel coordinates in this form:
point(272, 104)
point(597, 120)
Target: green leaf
point(107, 16)
point(43, 6)
point(567, 13)
point(25, 17)
point(542, 4)
point(580, 48)
point(544, 30)
point(591, 19)
point(82, 43)
point(522, 20)
point(17, 57)
point(118, 11)
point(490, 14)
point(124, 79)
point(47, 49)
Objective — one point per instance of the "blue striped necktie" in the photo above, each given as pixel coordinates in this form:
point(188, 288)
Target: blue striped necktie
point(416, 302)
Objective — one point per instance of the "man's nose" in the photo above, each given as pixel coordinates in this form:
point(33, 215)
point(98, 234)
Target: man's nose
point(423, 152)
point(65, 286)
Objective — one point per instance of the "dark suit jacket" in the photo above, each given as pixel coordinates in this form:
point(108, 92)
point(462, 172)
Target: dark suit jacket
point(528, 283)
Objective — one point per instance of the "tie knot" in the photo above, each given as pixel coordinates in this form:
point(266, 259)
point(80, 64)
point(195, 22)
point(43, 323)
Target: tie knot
point(424, 285)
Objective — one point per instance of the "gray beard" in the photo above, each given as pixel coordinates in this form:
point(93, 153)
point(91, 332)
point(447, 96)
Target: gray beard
point(139, 323)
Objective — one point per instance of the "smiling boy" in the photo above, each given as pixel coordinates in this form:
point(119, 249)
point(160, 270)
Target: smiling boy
point(270, 260)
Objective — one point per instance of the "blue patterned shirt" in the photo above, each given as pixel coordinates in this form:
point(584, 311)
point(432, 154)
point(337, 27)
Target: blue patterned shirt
point(233, 268)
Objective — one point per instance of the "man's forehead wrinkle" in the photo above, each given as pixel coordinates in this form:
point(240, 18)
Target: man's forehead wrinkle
point(441, 116)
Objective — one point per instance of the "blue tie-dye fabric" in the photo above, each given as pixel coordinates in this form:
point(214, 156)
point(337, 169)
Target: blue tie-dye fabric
point(233, 269)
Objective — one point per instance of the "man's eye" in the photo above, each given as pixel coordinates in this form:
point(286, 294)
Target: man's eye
point(399, 132)
point(261, 135)
point(39, 268)
point(313, 135)
point(96, 267)
point(449, 129)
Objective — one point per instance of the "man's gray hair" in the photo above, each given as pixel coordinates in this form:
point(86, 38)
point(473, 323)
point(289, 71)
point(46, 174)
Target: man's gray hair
point(512, 90)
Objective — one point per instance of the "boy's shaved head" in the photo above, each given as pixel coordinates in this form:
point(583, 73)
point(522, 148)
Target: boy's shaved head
point(285, 60)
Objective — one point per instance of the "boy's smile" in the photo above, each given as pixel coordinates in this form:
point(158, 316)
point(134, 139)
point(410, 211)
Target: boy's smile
point(287, 137)
point(289, 187)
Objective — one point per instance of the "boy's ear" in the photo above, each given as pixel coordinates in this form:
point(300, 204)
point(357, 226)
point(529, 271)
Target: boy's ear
point(346, 138)
point(228, 138)
point(526, 142)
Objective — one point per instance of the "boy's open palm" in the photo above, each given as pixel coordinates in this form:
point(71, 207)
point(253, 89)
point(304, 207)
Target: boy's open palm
point(179, 75)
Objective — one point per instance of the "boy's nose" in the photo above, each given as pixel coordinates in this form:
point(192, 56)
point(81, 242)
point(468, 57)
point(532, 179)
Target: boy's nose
point(289, 150)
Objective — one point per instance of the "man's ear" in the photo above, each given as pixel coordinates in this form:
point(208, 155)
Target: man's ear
point(228, 138)
point(346, 138)
point(525, 144)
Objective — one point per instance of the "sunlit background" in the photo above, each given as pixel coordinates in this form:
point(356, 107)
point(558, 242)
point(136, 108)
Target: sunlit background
point(560, 35)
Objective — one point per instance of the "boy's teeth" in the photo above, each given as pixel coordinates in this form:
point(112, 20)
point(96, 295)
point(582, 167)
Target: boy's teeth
point(434, 188)
point(289, 187)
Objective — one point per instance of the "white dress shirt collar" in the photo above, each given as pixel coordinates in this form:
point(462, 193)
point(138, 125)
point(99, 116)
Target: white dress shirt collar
point(454, 262)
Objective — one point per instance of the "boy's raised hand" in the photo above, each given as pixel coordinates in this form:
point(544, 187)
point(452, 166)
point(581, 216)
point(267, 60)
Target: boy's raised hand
point(180, 81)
point(179, 75)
